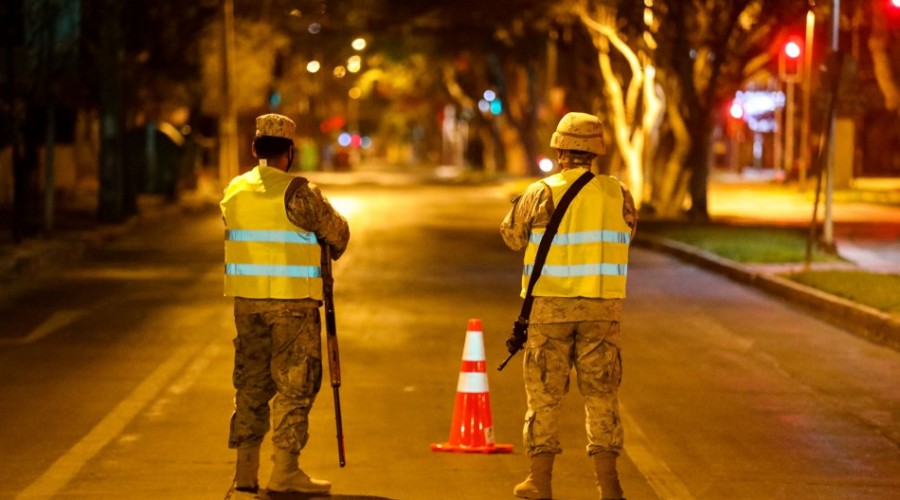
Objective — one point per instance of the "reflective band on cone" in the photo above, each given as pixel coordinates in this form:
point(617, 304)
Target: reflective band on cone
point(472, 429)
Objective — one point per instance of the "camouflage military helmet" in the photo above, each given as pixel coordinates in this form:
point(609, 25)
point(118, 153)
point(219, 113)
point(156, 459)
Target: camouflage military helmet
point(579, 132)
point(273, 125)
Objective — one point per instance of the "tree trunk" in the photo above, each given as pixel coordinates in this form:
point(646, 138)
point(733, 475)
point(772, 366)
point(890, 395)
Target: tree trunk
point(669, 195)
point(528, 128)
point(111, 203)
point(698, 163)
point(50, 170)
point(25, 177)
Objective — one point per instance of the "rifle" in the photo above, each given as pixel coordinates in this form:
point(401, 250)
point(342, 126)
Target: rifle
point(334, 359)
point(516, 341)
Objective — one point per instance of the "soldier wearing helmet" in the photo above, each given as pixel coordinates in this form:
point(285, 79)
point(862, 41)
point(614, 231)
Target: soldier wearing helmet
point(577, 305)
point(275, 223)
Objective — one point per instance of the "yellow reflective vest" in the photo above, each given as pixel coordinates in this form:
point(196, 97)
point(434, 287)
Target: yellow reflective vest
point(589, 254)
point(267, 256)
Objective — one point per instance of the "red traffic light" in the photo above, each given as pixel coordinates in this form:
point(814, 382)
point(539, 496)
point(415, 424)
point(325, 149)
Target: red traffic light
point(789, 58)
point(892, 12)
point(793, 50)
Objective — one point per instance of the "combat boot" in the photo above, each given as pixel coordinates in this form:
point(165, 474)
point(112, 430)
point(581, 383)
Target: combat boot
point(245, 484)
point(607, 476)
point(537, 485)
point(288, 477)
point(236, 493)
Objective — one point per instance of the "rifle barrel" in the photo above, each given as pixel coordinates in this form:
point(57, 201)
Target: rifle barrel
point(503, 364)
point(334, 359)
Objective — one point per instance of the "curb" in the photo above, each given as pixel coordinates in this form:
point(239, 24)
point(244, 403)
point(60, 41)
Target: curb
point(860, 320)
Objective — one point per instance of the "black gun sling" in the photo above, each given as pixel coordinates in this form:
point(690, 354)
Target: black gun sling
point(547, 240)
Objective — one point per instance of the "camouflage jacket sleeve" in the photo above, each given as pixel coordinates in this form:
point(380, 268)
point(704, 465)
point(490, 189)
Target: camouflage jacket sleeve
point(534, 207)
point(530, 209)
point(307, 208)
point(629, 212)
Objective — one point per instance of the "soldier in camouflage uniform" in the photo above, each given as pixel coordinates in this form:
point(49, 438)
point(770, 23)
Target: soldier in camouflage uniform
point(577, 307)
point(275, 223)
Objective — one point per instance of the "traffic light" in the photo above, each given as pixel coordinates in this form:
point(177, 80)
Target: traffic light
point(735, 118)
point(790, 60)
point(892, 12)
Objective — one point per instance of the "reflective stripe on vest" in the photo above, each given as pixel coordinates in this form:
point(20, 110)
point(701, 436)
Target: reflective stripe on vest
point(266, 256)
point(589, 254)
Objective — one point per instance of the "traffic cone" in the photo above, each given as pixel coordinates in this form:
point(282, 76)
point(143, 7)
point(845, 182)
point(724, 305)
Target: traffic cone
point(472, 430)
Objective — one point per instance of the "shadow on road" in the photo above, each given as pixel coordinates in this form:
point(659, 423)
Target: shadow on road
point(304, 496)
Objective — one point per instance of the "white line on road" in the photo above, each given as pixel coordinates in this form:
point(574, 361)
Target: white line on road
point(67, 466)
point(56, 321)
point(664, 482)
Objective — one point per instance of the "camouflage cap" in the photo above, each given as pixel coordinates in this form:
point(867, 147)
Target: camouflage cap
point(273, 125)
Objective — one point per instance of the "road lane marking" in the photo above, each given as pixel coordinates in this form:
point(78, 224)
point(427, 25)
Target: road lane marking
point(664, 482)
point(67, 466)
point(57, 321)
point(191, 374)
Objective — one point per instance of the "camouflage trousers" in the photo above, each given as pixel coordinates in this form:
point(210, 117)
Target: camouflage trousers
point(278, 354)
point(550, 353)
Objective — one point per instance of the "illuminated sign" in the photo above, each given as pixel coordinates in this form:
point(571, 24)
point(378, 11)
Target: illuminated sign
point(759, 108)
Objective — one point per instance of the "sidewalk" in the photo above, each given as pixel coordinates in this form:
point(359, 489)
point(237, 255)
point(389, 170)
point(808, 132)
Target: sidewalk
point(858, 319)
point(76, 230)
point(866, 222)
point(866, 226)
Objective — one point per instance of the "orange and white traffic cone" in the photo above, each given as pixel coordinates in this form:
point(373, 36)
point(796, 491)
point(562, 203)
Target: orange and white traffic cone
point(472, 430)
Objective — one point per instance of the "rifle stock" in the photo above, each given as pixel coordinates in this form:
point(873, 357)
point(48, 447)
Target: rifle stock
point(334, 358)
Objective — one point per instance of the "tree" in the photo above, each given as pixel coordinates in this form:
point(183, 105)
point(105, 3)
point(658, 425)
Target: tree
point(636, 111)
point(39, 42)
point(699, 53)
point(475, 46)
point(885, 64)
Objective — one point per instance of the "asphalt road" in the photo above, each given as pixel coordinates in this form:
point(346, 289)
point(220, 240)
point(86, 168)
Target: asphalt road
point(116, 372)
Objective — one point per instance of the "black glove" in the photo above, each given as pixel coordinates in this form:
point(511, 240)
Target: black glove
point(516, 341)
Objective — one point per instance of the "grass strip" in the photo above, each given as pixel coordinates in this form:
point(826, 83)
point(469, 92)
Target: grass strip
point(880, 291)
point(745, 244)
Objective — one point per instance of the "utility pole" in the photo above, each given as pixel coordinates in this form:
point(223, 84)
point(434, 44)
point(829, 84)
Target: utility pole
point(228, 156)
point(828, 228)
point(807, 86)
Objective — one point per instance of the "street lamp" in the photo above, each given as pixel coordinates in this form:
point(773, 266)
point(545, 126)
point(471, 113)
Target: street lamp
point(354, 64)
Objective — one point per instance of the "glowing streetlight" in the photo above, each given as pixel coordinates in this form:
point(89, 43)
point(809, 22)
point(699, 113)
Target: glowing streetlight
point(313, 66)
point(354, 63)
point(545, 164)
point(358, 44)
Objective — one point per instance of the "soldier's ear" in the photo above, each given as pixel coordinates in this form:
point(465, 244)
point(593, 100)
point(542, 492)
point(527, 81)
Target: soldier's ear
point(253, 149)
